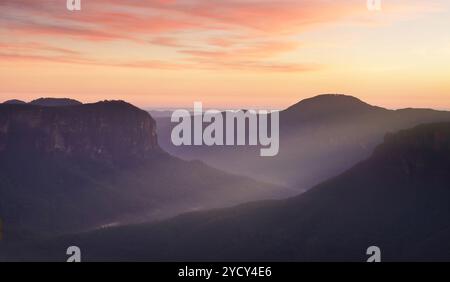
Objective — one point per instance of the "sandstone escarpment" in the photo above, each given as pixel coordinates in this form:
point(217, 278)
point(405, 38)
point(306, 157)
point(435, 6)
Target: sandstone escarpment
point(109, 130)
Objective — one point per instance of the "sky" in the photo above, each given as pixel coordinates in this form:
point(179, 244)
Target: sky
point(226, 53)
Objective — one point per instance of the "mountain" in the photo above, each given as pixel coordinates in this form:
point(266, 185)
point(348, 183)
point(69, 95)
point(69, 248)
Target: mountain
point(320, 137)
point(14, 101)
point(397, 200)
point(324, 107)
point(55, 102)
point(47, 102)
point(73, 168)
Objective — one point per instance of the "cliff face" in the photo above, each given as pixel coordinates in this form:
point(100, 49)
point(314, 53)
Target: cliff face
point(109, 130)
point(423, 150)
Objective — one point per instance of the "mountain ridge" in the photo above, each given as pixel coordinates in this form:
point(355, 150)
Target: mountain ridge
point(322, 143)
point(371, 204)
point(55, 102)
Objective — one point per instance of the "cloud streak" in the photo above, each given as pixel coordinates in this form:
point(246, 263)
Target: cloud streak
point(234, 34)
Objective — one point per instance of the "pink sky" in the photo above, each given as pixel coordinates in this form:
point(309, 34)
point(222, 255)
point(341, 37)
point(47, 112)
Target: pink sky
point(234, 53)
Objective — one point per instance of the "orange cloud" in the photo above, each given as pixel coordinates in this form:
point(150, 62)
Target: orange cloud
point(255, 50)
point(229, 34)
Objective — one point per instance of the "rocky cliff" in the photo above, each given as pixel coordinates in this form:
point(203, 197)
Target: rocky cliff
point(108, 130)
point(416, 153)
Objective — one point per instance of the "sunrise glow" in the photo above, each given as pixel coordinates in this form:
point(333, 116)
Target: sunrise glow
point(237, 53)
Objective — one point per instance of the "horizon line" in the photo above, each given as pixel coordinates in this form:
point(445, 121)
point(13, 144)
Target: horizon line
point(191, 108)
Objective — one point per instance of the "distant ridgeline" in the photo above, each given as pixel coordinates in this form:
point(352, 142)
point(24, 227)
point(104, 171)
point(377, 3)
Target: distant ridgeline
point(48, 102)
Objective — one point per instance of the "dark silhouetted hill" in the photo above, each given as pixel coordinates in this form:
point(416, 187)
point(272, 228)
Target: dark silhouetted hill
point(14, 102)
point(55, 102)
point(327, 106)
